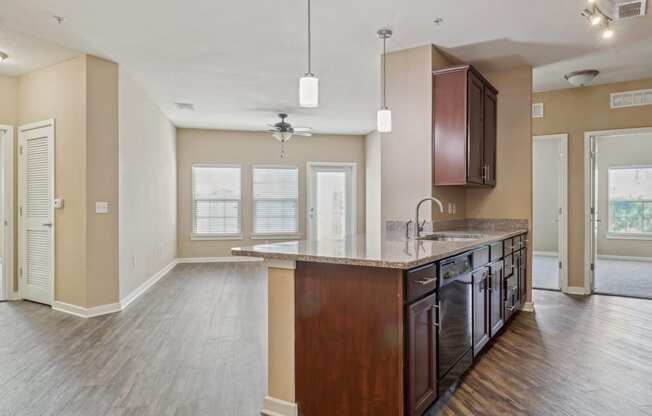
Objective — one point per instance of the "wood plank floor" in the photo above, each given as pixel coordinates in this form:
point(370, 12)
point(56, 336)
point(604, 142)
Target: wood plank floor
point(196, 345)
point(575, 356)
point(193, 345)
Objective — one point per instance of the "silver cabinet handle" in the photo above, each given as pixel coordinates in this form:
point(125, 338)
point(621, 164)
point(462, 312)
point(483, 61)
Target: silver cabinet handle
point(510, 309)
point(426, 282)
point(438, 323)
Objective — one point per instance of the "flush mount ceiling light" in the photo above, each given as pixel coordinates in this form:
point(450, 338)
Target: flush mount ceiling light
point(582, 78)
point(3, 56)
point(309, 83)
point(384, 116)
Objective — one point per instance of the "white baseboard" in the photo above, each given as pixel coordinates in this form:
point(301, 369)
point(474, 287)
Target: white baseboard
point(225, 259)
point(138, 292)
point(13, 296)
point(277, 407)
point(82, 312)
point(528, 307)
point(576, 290)
point(545, 253)
point(624, 258)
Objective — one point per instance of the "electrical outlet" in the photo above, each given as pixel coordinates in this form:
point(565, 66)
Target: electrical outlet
point(450, 207)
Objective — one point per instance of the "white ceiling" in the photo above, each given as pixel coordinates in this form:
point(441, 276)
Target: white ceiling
point(239, 62)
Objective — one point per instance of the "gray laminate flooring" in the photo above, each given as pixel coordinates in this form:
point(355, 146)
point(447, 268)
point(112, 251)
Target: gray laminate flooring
point(623, 278)
point(195, 344)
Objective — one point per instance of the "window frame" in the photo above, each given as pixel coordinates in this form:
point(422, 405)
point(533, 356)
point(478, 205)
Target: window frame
point(615, 235)
point(215, 236)
point(274, 236)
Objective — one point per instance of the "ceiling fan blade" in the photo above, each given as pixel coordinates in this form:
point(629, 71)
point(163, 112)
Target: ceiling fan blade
point(305, 134)
point(302, 129)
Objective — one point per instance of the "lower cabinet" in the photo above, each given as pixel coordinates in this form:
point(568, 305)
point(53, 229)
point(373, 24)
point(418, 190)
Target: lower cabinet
point(422, 354)
point(522, 276)
point(481, 330)
point(496, 281)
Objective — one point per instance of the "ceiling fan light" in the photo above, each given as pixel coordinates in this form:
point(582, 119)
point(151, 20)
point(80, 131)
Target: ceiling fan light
point(384, 120)
point(596, 19)
point(282, 136)
point(309, 91)
point(607, 33)
point(3, 56)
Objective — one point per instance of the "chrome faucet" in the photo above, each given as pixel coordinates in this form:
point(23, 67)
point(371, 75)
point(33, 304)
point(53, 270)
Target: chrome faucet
point(419, 226)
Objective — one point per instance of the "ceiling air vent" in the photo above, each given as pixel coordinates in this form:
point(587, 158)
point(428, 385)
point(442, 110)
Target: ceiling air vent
point(631, 98)
point(537, 110)
point(629, 9)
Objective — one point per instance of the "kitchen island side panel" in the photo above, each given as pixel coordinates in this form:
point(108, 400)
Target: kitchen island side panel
point(348, 340)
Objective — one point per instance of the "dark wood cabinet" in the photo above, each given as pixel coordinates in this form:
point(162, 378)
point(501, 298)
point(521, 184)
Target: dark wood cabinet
point(422, 355)
point(520, 260)
point(481, 330)
point(496, 281)
point(465, 106)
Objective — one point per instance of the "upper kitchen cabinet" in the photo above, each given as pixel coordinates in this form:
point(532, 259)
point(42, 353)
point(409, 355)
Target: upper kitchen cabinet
point(464, 127)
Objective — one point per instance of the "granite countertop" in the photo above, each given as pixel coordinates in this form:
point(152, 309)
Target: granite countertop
point(393, 251)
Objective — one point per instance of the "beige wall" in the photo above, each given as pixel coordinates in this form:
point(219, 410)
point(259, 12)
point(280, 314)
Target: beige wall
point(247, 149)
point(373, 183)
point(8, 100)
point(81, 95)
point(101, 181)
point(575, 111)
point(512, 196)
point(545, 184)
point(620, 151)
point(148, 187)
point(59, 92)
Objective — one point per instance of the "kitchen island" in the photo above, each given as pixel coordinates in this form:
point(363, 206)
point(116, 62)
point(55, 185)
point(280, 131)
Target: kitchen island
point(361, 327)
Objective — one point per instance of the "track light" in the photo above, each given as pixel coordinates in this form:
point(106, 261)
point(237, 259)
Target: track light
point(596, 19)
point(607, 32)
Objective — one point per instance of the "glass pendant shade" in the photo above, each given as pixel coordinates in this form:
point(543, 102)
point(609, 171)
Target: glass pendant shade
point(384, 120)
point(309, 91)
point(282, 136)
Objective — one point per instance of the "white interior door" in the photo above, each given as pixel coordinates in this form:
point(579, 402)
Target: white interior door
point(36, 212)
point(332, 199)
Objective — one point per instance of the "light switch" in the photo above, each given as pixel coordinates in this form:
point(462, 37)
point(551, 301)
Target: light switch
point(57, 203)
point(101, 207)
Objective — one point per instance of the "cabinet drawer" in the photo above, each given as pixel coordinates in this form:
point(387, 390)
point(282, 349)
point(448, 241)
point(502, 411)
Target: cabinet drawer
point(421, 281)
point(496, 251)
point(480, 257)
point(519, 242)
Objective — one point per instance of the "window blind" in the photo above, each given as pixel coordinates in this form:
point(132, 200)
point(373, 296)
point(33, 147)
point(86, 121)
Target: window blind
point(275, 195)
point(216, 199)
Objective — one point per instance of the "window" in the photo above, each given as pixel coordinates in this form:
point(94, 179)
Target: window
point(630, 200)
point(276, 205)
point(216, 201)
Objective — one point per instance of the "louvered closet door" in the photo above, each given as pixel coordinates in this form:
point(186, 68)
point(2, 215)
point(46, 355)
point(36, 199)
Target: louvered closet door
point(36, 214)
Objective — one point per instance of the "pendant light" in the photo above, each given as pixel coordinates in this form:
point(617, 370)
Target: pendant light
point(309, 83)
point(384, 117)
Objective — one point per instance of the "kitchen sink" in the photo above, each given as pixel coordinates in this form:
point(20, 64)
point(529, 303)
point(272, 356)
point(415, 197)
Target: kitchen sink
point(451, 237)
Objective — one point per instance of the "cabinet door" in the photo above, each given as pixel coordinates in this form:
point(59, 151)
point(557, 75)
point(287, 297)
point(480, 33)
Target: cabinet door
point(480, 303)
point(490, 112)
point(475, 145)
point(522, 276)
point(422, 346)
point(496, 296)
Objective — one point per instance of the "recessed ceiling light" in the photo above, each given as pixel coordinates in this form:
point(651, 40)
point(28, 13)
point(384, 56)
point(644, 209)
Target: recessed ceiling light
point(3, 56)
point(438, 21)
point(185, 106)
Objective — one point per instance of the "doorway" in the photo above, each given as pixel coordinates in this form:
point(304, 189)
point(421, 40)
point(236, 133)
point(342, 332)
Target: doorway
point(332, 199)
point(36, 216)
point(550, 206)
point(7, 287)
point(618, 206)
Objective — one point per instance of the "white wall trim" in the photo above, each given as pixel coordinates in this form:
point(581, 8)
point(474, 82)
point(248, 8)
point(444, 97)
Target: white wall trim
point(563, 205)
point(277, 407)
point(225, 259)
point(86, 312)
point(545, 253)
point(528, 307)
point(140, 290)
point(624, 258)
point(9, 292)
point(589, 235)
point(576, 290)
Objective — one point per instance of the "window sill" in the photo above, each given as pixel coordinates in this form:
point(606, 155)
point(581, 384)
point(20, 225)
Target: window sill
point(624, 236)
point(276, 236)
point(221, 237)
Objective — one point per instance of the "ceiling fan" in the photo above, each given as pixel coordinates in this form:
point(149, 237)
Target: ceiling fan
point(283, 131)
